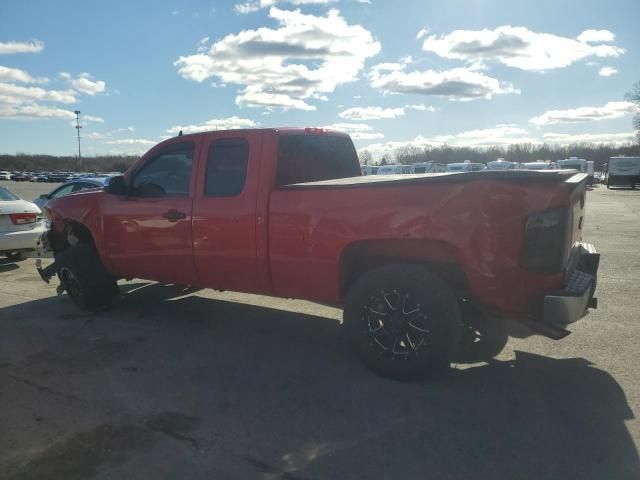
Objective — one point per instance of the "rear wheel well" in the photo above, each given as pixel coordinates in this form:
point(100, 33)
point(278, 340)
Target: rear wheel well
point(435, 256)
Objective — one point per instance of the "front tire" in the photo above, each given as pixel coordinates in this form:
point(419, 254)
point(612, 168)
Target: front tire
point(85, 279)
point(18, 256)
point(403, 322)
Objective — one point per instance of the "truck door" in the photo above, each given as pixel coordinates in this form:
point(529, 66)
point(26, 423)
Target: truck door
point(148, 232)
point(225, 226)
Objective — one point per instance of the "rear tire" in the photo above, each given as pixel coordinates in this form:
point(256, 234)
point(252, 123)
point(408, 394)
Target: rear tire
point(85, 279)
point(403, 322)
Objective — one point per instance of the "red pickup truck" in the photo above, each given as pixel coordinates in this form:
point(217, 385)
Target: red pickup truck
point(286, 212)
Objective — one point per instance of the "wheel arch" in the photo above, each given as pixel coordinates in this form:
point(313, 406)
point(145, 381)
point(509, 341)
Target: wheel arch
point(439, 257)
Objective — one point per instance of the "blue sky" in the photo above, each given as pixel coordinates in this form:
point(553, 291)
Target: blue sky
point(460, 72)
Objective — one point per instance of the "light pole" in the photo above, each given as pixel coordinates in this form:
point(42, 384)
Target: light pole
point(78, 127)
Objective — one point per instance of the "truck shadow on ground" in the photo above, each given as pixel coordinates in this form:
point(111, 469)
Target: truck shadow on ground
point(279, 393)
point(7, 265)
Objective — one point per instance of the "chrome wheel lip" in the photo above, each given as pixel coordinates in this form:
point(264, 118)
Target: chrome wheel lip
point(395, 324)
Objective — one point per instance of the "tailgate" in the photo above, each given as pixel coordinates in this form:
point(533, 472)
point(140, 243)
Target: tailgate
point(577, 211)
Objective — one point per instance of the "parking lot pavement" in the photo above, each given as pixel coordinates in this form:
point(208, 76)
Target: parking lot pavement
point(172, 383)
point(28, 190)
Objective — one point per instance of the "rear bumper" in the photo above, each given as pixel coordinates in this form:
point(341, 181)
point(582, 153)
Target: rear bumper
point(571, 303)
point(22, 239)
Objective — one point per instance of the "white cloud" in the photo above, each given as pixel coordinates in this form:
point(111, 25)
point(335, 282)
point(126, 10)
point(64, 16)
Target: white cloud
point(255, 97)
point(607, 71)
point(349, 127)
point(455, 84)
point(520, 47)
point(377, 113)
point(596, 36)
point(306, 56)
point(108, 134)
point(91, 118)
point(31, 111)
point(8, 48)
point(245, 8)
point(8, 74)
point(84, 119)
point(606, 138)
point(131, 141)
point(254, 6)
point(371, 113)
point(357, 131)
point(14, 94)
point(229, 123)
point(500, 135)
point(95, 135)
point(31, 102)
point(366, 135)
point(422, 107)
point(84, 83)
point(422, 33)
point(368, 2)
point(582, 114)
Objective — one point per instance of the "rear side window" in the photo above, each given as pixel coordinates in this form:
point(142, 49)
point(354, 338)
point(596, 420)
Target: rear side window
point(311, 158)
point(6, 195)
point(226, 167)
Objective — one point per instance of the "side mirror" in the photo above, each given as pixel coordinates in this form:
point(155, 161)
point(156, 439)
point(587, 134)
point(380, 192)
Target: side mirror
point(44, 196)
point(116, 185)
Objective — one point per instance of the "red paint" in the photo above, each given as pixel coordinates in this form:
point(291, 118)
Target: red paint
point(296, 242)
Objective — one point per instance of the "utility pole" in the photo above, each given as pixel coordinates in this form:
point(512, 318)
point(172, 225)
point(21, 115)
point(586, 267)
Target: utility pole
point(78, 127)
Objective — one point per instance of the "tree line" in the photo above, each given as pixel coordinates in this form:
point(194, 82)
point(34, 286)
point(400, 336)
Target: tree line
point(406, 155)
point(514, 153)
point(51, 163)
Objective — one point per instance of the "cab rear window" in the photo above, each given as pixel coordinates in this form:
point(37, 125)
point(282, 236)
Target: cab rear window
point(312, 158)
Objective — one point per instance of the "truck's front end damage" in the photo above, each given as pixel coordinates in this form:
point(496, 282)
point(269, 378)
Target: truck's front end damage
point(44, 250)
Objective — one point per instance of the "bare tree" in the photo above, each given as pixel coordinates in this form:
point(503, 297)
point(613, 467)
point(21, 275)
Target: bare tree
point(365, 157)
point(386, 159)
point(634, 96)
point(410, 154)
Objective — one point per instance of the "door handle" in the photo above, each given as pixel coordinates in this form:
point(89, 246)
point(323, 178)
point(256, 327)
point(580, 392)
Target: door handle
point(174, 215)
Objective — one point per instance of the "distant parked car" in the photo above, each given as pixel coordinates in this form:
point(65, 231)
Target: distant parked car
point(5, 175)
point(20, 177)
point(58, 177)
point(21, 225)
point(68, 188)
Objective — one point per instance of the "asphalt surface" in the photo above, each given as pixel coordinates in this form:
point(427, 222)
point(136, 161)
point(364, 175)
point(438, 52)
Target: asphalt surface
point(174, 384)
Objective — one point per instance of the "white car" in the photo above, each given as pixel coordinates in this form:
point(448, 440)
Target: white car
point(21, 224)
point(5, 175)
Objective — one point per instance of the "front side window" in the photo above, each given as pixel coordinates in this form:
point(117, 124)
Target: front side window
point(226, 167)
point(167, 174)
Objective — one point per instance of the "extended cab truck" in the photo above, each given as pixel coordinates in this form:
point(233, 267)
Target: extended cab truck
point(287, 213)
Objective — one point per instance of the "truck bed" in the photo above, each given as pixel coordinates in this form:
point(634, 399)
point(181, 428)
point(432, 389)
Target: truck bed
point(518, 176)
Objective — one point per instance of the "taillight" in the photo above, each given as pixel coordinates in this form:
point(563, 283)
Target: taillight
point(23, 218)
point(545, 243)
